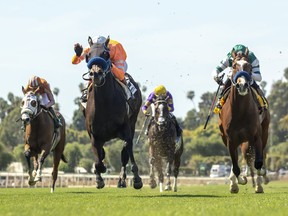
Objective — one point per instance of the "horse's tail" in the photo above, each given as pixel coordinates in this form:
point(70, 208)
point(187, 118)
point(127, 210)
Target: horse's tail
point(64, 159)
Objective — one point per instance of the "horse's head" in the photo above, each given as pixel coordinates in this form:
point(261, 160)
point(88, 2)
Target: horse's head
point(241, 80)
point(161, 110)
point(98, 61)
point(29, 107)
point(242, 70)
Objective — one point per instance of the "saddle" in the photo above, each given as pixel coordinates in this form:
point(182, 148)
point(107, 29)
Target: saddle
point(260, 100)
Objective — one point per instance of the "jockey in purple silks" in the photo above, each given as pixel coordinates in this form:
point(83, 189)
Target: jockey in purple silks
point(161, 90)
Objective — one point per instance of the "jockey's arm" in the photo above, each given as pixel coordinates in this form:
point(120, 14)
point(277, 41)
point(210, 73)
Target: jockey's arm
point(148, 102)
point(256, 75)
point(221, 67)
point(145, 107)
point(77, 60)
point(170, 102)
point(50, 97)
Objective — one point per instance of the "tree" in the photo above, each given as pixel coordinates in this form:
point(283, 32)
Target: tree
point(278, 101)
point(190, 96)
point(3, 109)
point(73, 154)
point(5, 157)
point(191, 120)
point(10, 131)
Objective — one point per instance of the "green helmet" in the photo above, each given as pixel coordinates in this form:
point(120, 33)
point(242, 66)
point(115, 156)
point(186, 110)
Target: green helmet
point(239, 48)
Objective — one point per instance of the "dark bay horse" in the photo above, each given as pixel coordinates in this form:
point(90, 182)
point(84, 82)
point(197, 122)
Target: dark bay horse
point(109, 114)
point(41, 138)
point(162, 145)
point(240, 121)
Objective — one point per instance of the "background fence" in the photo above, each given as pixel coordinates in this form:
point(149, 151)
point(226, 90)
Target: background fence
point(20, 180)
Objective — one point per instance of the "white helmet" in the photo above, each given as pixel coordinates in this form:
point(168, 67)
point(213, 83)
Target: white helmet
point(99, 39)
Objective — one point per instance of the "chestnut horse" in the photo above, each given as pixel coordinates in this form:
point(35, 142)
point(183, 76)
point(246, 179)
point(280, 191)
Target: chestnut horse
point(162, 144)
point(109, 114)
point(240, 121)
point(41, 138)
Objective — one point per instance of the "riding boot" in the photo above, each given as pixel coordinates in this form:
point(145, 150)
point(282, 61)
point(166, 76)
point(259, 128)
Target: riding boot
point(221, 99)
point(57, 121)
point(178, 128)
point(261, 100)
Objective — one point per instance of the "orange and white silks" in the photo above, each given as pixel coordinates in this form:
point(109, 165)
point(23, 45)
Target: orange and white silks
point(117, 55)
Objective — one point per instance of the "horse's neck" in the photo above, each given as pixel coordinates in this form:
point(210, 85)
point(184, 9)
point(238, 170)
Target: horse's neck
point(240, 104)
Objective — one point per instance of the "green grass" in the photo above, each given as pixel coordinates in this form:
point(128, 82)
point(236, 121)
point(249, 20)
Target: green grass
point(189, 200)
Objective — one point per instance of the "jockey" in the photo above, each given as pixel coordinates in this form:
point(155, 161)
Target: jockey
point(239, 50)
point(161, 90)
point(41, 86)
point(117, 55)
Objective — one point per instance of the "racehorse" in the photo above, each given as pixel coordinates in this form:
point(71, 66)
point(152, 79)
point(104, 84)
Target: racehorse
point(240, 121)
point(41, 138)
point(162, 144)
point(109, 114)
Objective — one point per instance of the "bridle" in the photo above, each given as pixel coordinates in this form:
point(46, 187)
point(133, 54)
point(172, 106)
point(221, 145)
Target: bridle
point(30, 107)
point(160, 105)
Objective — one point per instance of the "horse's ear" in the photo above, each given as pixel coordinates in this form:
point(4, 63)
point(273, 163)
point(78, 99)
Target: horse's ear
point(233, 53)
point(23, 90)
point(107, 41)
point(90, 41)
point(246, 51)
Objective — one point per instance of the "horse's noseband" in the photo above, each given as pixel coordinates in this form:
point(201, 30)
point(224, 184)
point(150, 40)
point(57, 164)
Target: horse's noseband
point(241, 81)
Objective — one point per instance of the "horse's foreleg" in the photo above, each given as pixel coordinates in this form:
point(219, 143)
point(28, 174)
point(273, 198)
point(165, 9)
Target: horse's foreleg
point(99, 154)
point(30, 172)
point(176, 166)
point(168, 173)
point(236, 170)
point(123, 175)
point(233, 182)
point(258, 156)
point(41, 160)
point(56, 161)
point(152, 182)
point(137, 181)
point(158, 165)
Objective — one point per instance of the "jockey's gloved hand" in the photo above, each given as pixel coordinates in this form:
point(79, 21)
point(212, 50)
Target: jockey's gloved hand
point(78, 49)
point(218, 80)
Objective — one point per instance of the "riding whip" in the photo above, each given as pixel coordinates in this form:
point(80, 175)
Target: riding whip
point(213, 102)
point(143, 126)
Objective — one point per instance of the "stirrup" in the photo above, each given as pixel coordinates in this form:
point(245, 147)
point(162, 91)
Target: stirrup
point(84, 98)
point(217, 108)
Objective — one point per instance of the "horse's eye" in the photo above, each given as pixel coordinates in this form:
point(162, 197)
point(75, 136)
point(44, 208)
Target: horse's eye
point(33, 103)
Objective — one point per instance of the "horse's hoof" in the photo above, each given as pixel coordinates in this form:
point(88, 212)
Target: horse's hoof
point(234, 189)
point(168, 188)
point(121, 184)
point(259, 189)
point(242, 180)
point(38, 179)
point(137, 183)
point(100, 184)
point(261, 172)
point(153, 184)
point(32, 183)
point(175, 189)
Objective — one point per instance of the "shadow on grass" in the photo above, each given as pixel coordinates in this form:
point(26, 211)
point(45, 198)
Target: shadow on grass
point(180, 196)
